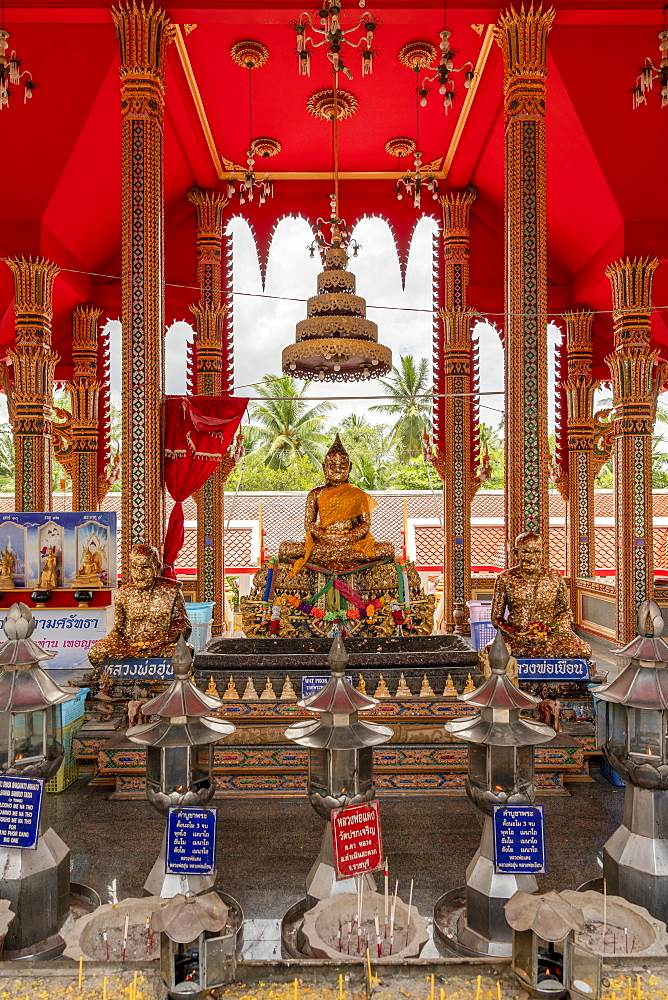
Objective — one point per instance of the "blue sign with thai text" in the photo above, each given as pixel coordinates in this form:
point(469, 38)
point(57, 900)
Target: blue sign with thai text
point(191, 841)
point(542, 669)
point(519, 842)
point(312, 683)
point(20, 809)
point(146, 669)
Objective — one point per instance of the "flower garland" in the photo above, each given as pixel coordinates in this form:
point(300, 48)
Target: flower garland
point(330, 616)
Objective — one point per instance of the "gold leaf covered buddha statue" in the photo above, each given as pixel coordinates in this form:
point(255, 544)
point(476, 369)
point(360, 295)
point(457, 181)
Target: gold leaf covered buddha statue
point(337, 522)
point(530, 606)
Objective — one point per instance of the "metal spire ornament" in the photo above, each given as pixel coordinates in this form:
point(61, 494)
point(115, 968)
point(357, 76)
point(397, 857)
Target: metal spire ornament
point(336, 342)
point(649, 72)
point(11, 74)
point(252, 55)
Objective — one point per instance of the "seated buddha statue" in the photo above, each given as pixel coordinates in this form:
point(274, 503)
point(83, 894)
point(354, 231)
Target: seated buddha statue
point(530, 606)
point(337, 522)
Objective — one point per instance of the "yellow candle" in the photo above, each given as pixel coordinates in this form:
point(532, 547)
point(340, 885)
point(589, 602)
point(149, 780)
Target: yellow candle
point(340, 987)
point(630, 994)
point(134, 986)
point(638, 990)
point(433, 985)
point(477, 989)
point(368, 965)
point(296, 985)
point(104, 988)
point(498, 990)
point(442, 994)
point(80, 970)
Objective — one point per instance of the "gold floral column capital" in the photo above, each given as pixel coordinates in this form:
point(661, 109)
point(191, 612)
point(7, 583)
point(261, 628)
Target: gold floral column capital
point(522, 35)
point(637, 377)
point(144, 32)
point(33, 363)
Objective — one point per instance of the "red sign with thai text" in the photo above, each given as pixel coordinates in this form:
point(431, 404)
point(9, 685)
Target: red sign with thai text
point(357, 840)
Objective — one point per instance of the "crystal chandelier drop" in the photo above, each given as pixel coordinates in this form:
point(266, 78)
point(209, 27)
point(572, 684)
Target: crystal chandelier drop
point(335, 38)
point(252, 55)
point(650, 73)
point(11, 74)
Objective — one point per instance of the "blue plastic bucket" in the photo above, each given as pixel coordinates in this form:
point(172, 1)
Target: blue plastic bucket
point(200, 612)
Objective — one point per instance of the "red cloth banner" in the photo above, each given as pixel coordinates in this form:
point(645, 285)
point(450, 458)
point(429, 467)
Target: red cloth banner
point(357, 840)
point(198, 433)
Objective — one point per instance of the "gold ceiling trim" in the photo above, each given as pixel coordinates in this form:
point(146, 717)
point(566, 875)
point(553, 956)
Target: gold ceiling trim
point(197, 99)
point(468, 101)
point(326, 175)
point(417, 55)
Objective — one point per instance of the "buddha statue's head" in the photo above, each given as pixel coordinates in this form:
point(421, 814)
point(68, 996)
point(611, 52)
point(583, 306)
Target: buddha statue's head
point(337, 464)
point(144, 566)
point(529, 547)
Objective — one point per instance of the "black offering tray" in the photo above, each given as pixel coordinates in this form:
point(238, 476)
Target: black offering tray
point(437, 656)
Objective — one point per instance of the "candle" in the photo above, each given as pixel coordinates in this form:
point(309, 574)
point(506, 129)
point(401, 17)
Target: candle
point(80, 970)
point(368, 967)
point(477, 989)
point(408, 919)
point(433, 984)
point(106, 943)
point(441, 994)
point(630, 995)
point(638, 990)
point(125, 937)
point(605, 908)
point(378, 943)
point(134, 986)
point(340, 987)
point(498, 990)
point(296, 986)
point(339, 938)
point(104, 988)
point(387, 893)
point(626, 939)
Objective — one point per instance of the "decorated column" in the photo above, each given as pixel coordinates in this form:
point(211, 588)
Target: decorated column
point(580, 387)
point(636, 381)
point(522, 36)
point(84, 390)
point(143, 34)
point(213, 377)
point(455, 457)
point(34, 364)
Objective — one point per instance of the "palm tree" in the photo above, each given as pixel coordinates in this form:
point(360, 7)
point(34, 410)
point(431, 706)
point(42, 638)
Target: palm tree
point(409, 386)
point(284, 425)
point(7, 457)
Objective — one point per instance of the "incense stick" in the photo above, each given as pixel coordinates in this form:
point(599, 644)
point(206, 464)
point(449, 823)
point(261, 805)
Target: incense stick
point(408, 919)
point(125, 937)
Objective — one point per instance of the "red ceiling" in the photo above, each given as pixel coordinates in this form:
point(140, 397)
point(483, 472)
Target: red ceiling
point(61, 151)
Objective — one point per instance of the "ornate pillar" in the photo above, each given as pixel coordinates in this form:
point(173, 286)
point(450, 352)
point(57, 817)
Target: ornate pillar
point(589, 442)
point(454, 462)
point(84, 390)
point(34, 364)
point(522, 36)
point(213, 376)
point(636, 382)
point(143, 34)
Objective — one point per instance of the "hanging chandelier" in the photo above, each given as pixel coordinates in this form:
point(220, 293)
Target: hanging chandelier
point(252, 55)
point(336, 342)
point(11, 74)
point(416, 56)
point(651, 73)
point(335, 38)
point(443, 72)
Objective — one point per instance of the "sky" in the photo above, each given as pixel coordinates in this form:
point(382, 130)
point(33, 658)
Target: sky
point(264, 323)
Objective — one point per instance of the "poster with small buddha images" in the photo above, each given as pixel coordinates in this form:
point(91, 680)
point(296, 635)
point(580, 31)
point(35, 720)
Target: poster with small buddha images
point(58, 550)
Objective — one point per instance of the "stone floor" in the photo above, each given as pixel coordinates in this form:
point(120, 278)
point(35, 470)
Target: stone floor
point(267, 845)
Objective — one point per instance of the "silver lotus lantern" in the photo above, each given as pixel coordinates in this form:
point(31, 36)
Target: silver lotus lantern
point(179, 760)
point(340, 762)
point(547, 959)
point(500, 772)
point(36, 881)
point(195, 957)
point(632, 730)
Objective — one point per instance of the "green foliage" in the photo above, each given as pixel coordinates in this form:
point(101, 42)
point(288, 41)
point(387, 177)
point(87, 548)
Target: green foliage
point(256, 476)
point(491, 439)
point(409, 385)
point(285, 426)
point(416, 475)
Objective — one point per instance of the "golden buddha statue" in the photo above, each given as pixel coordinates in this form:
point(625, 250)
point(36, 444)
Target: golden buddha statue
point(91, 565)
point(7, 566)
point(539, 617)
point(149, 613)
point(337, 522)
